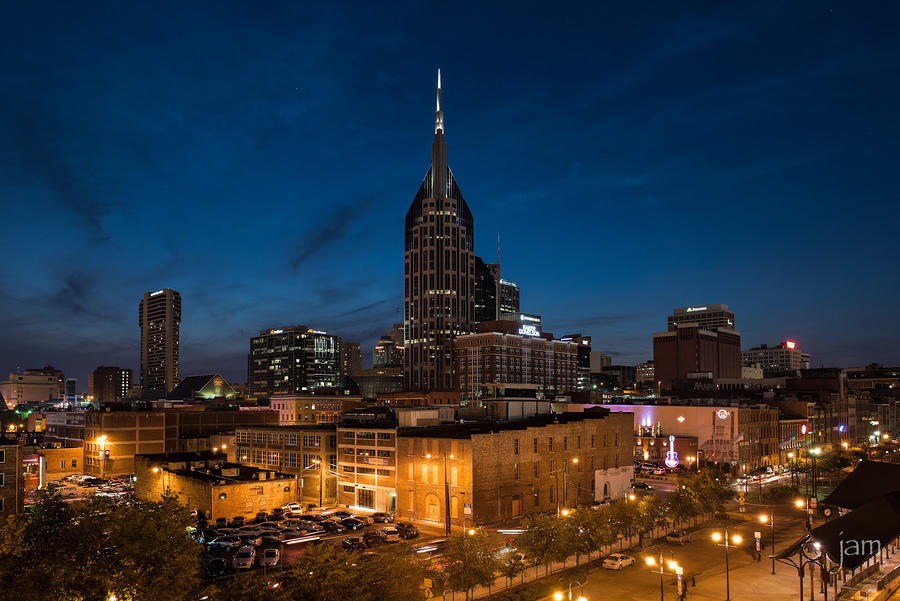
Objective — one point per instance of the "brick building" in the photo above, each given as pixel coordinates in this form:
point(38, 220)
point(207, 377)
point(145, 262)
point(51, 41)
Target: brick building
point(497, 472)
point(308, 452)
point(113, 438)
point(305, 409)
point(508, 352)
point(209, 484)
point(689, 353)
point(12, 482)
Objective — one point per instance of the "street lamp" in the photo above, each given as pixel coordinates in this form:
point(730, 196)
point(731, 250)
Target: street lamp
point(673, 566)
point(564, 470)
point(733, 541)
point(318, 463)
point(446, 489)
point(101, 440)
point(559, 595)
point(770, 520)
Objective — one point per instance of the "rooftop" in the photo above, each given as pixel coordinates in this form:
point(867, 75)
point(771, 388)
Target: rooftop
point(467, 430)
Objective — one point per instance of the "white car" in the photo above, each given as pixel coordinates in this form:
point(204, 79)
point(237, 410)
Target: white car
point(293, 506)
point(269, 558)
point(243, 560)
point(617, 561)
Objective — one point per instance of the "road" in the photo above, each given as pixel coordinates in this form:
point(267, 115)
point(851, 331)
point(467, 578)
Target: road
point(704, 561)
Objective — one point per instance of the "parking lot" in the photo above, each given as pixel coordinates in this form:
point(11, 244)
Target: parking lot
point(291, 534)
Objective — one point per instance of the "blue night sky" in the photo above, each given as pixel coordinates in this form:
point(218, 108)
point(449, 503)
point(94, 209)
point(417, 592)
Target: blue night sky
point(260, 160)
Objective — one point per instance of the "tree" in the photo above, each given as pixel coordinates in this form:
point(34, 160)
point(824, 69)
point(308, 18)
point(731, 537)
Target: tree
point(325, 573)
point(708, 489)
point(587, 531)
point(511, 565)
point(682, 504)
point(547, 538)
point(249, 586)
point(470, 561)
point(103, 547)
point(651, 513)
point(394, 573)
point(623, 516)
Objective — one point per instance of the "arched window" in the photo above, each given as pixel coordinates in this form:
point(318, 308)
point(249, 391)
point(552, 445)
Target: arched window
point(432, 507)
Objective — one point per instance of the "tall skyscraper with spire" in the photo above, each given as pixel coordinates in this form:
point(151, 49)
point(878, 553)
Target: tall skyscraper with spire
point(438, 272)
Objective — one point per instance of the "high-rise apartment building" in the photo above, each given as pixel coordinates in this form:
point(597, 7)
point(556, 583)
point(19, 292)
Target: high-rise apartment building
point(707, 317)
point(109, 383)
point(692, 353)
point(351, 359)
point(583, 376)
point(487, 278)
point(507, 298)
point(387, 353)
point(438, 271)
point(645, 372)
point(507, 353)
point(159, 315)
point(293, 360)
point(786, 359)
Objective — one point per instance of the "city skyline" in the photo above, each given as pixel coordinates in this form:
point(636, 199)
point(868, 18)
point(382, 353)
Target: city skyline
point(657, 188)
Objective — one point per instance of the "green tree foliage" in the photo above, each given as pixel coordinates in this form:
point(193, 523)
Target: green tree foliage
point(94, 549)
point(470, 561)
point(249, 586)
point(651, 513)
point(394, 572)
point(325, 573)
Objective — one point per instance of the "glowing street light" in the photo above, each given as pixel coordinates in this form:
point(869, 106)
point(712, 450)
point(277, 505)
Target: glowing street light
point(770, 520)
point(653, 562)
point(733, 541)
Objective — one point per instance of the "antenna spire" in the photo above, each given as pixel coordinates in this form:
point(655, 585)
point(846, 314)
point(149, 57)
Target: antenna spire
point(438, 113)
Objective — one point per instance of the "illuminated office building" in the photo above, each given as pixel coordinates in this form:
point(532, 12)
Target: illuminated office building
point(159, 315)
point(438, 273)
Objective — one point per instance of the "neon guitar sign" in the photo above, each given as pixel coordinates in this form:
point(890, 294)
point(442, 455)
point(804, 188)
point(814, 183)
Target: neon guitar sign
point(671, 455)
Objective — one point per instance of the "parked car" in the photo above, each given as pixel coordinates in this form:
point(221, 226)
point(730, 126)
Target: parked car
point(251, 539)
point(292, 532)
point(383, 517)
point(216, 567)
point(641, 485)
point(224, 543)
point(270, 558)
point(244, 558)
point(352, 523)
point(278, 511)
point(271, 525)
point(293, 506)
point(237, 521)
point(354, 543)
point(391, 535)
point(406, 530)
point(679, 536)
point(373, 538)
point(659, 471)
point(270, 537)
point(260, 517)
point(332, 527)
point(341, 514)
point(251, 528)
point(365, 518)
point(617, 561)
point(315, 517)
point(221, 523)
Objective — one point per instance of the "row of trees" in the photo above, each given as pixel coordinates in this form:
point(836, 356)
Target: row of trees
point(104, 550)
point(473, 560)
